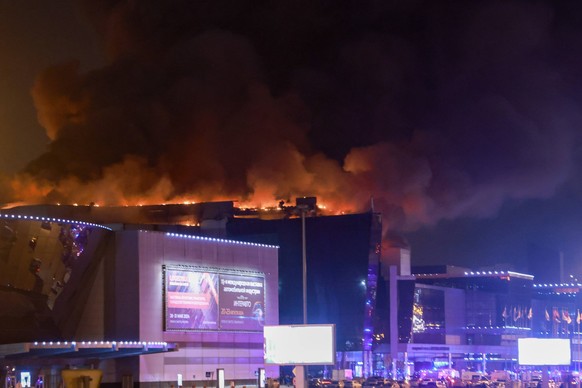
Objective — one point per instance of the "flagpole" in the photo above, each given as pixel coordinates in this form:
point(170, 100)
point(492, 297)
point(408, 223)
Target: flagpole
point(578, 319)
point(554, 323)
point(547, 316)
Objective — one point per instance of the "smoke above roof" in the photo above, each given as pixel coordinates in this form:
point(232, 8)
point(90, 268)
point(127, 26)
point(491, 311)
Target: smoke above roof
point(437, 111)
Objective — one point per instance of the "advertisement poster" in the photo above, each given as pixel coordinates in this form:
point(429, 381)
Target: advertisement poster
point(242, 302)
point(191, 300)
point(287, 345)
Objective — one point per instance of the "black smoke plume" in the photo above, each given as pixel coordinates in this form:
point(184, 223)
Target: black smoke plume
point(437, 110)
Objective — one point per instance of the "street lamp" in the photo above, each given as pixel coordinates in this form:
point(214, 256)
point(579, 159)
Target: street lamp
point(304, 205)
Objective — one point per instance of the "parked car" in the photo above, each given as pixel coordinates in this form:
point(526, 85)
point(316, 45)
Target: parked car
point(432, 383)
point(350, 384)
point(391, 384)
point(314, 383)
point(273, 383)
point(319, 383)
point(373, 382)
point(357, 382)
point(480, 382)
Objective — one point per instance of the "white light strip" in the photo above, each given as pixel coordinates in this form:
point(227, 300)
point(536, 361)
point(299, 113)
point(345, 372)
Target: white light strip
point(497, 273)
point(520, 275)
point(485, 273)
point(89, 343)
point(212, 239)
point(495, 328)
point(36, 218)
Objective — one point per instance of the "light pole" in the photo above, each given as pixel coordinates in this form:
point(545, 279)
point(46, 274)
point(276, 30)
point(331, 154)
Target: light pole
point(303, 209)
point(303, 205)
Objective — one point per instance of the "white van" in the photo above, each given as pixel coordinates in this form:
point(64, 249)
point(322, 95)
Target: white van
point(477, 378)
point(503, 375)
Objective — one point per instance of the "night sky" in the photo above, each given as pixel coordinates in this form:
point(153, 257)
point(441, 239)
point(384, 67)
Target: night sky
point(461, 119)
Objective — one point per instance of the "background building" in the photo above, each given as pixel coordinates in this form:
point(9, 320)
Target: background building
point(466, 319)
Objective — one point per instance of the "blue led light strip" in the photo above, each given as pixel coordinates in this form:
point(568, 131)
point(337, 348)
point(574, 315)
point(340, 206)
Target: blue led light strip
point(201, 238)
point(49, 219)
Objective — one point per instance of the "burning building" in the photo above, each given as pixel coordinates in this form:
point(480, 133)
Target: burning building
point(120, 274)
point(82, 294)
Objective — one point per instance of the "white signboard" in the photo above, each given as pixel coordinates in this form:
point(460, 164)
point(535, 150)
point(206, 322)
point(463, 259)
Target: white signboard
point(544, 351)
point(300, 345)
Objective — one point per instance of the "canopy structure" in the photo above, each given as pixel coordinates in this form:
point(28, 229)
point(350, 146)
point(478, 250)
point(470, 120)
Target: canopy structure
point(82, 349)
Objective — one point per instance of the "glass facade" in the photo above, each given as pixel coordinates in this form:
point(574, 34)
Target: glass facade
point(428, 315)
point(342, 260)
point(45, 265)
point(474, 320)
point(481, 308)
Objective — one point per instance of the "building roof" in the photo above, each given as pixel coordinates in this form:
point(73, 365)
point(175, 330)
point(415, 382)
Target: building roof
point(82, 349)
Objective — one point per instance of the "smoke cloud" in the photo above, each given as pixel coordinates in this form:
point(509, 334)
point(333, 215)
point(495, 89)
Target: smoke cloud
point(437, 111)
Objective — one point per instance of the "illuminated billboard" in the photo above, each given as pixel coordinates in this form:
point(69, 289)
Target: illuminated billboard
point(204, 300)
point(544, 351)
point(191, 300)
point(241, 302)
point(300, 345)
